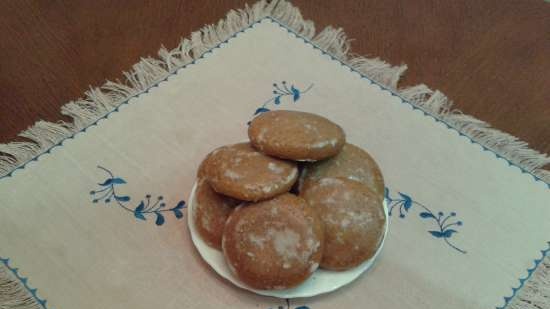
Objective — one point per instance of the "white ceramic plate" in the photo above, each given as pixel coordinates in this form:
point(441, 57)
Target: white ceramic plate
point(321, 281)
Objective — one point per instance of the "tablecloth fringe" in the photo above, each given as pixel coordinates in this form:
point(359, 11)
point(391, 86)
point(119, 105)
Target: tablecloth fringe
point(99, 101)
point(536, 292)
point(13, 294)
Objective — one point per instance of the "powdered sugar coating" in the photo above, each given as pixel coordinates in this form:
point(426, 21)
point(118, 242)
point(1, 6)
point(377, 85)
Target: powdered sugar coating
point(286, 242)
point(313, 267)
point(243, 173)
point(353, 217)
point(212, 211)
point(325, 182)
point(232, 174)
point(274, 168)
point(332, 142)
point(270, 250)
point(257, 241)
point(296, 135)
point(353, 163)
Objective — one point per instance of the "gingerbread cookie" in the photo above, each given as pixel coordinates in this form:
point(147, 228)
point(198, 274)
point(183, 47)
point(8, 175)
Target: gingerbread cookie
point(352, 163)
point(210, 213)
point(241, 172)
point(296, 135)
point(201, 171)
point(353, 218)
point(273, 244)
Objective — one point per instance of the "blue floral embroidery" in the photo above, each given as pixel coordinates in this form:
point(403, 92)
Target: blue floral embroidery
point(107, 193)
point(25, 282)
point(444, 222)
point(288, 306)
point(280, 92)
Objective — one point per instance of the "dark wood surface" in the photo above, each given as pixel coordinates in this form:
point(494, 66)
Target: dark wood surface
point(492, 57)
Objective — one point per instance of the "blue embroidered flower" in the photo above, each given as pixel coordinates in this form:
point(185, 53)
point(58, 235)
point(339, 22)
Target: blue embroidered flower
point(288, 306)
point(147, 207)
point(444, 222)
point(280, 92)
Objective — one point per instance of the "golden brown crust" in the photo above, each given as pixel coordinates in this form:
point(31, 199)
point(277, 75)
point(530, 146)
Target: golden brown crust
point(210, 213)
point(274, 244)
point(241, 172)
point(353, 218)
point(352, 163)
point(201, 171)
point(296, 135)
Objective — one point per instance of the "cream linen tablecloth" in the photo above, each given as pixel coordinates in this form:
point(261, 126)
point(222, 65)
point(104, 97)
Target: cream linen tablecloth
point(465, 225)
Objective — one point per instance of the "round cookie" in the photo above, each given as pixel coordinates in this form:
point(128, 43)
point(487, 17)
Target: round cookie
point(352, 163)
point(201, 171)
point(210, 213)
point(296, 135)
point(273, 244)
point(241, 172)
point(353, 218)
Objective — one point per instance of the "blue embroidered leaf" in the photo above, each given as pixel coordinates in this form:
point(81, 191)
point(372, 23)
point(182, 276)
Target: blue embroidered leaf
point(295, 93)
point(180, 205)
point(177, 213)
point(106, 182)
point(426, 215)
point(140, 207)
point(407, 201)
point(112, 181)
point(277, 100)
point(437, 234)
point(138, 211)
point(122, 198)
point(160, 219)
point(261, 110)
point(117, 181)
point(448, 233)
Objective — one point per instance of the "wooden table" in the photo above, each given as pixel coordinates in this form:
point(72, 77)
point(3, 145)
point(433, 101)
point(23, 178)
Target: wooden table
point(492, 57)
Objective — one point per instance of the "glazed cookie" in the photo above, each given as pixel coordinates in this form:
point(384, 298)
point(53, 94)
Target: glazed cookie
point(353, 218)
point(241, 172)
point(210, 213)
point(296, 135)
point(201, 172)
point(274, 244)
point(352, 163)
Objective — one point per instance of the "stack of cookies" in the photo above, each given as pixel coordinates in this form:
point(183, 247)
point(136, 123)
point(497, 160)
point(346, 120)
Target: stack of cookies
point(295, 198)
